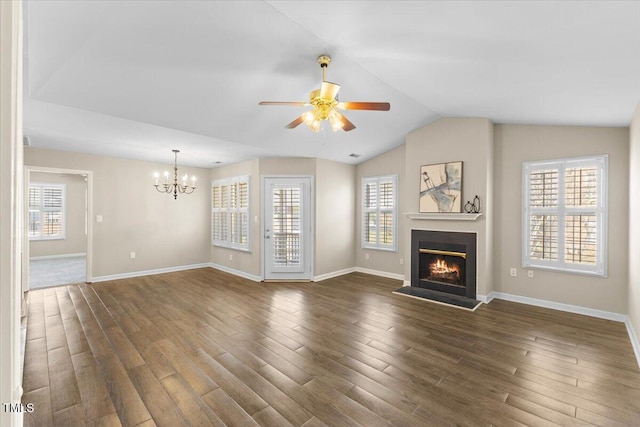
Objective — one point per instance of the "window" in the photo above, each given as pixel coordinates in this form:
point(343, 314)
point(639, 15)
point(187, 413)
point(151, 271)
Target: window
point(47, 211)
point(565, 215)
point(230, 213)
point(379, 212)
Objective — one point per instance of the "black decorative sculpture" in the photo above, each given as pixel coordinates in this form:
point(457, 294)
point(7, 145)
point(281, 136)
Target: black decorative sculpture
point(472, 207)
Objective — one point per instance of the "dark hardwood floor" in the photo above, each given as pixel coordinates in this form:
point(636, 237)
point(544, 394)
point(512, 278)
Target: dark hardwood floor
point(203, 347)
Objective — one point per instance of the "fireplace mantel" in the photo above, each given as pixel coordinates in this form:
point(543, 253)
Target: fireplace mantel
point(447, 216)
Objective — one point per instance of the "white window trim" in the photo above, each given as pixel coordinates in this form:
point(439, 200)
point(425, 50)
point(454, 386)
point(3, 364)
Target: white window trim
point(394, 210)
point(601, 212)
point(245, 247)
point(63, 209)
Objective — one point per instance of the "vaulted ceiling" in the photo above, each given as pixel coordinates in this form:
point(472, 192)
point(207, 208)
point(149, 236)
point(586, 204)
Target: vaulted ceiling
point(135, 79)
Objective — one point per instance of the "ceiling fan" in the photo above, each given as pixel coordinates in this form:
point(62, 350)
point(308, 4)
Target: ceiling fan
point(325, 105)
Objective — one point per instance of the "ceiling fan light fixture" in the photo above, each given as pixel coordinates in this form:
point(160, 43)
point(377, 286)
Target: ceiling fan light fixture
point(335, 120)
point(315, 125)
point(308, 117)
point(324, 101)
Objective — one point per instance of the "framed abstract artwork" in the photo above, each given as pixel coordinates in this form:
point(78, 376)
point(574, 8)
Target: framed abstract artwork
point(441, 187)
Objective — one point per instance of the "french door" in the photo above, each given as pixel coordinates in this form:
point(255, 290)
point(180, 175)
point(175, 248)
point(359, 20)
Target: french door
point(287, 230)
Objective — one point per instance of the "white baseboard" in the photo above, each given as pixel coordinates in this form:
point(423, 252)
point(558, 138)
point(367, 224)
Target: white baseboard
point(315, 278)
point(334, 274)
point(36, 258)
point(635, 340)
point(601, 314)
point(380, 273)
point(235, 272)
point(486, 299)
point(147, 272)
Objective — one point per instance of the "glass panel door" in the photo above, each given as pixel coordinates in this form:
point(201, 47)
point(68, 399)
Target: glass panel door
point(287, 231)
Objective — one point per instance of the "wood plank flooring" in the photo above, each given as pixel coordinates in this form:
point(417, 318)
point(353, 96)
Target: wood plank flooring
point(203, 347)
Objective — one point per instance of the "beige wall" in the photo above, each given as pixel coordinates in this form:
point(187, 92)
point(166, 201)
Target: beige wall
point(516, 144)
point(163, 232)
point(75, 241)
point(389, 163)
point(450, 140)
point(288, 166)
point(634, 225)
point(335, 211)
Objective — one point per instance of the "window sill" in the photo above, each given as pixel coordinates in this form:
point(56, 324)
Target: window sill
point(233, 248)
point(375, 248)
point(565, 270)
point(45, 239)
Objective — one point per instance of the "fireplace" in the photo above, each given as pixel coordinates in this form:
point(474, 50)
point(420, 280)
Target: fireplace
point(444, 261)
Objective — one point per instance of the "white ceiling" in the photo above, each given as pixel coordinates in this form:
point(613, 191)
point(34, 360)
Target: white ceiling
point(135, 79)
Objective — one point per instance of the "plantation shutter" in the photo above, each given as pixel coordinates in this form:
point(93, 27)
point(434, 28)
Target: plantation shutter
point(543, 216)
point(46, 211)
point(239, 205)
point(379, 212)
point(230, 213)
point(565, 215)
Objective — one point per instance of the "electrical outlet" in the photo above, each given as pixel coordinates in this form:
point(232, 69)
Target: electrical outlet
point(98, 218)
point(401, 261)
point(132, 255)
point(530, 274)
point(230, 257)
point(366, 256)
point(514, 272)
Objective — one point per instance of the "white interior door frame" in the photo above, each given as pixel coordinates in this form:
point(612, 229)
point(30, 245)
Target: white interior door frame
point(89, 219)
point(309, 229)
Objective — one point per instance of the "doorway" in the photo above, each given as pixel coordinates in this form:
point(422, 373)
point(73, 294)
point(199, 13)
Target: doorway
point(58, 227)
point(287, 229)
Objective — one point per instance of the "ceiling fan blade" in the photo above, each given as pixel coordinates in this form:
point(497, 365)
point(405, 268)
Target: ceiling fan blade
point(329, 90)
point(295, 123)
point(296, 104)
point(378, 106)
point(347, 124)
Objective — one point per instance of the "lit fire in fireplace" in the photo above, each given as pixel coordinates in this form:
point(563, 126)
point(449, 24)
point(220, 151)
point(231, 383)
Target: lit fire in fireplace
point(441, 271)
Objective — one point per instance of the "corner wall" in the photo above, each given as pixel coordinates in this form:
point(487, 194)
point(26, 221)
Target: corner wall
point(515, 144)
point(335, 211)
point(634, 229)
point(390, 163)
point(11, 202)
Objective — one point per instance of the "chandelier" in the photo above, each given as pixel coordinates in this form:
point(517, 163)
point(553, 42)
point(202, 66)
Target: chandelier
point(175, 187)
